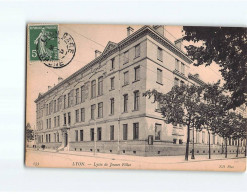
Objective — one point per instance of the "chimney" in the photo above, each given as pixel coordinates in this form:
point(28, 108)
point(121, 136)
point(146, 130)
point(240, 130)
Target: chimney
point(97, 53)
point(49, 87)
point(196, 75)
point(60, 79)
point(130, 30)
point(178, 43)
point(160, 29)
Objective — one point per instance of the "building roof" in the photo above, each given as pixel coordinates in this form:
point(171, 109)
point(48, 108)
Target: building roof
point(195, 78)
point(112, 47)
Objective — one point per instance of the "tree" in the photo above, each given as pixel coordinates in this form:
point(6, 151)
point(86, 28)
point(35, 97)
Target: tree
point(226, 127)
point(179, 106)
point(227, 47)
point(29, 132)
point(215, 104)
point(240, 130)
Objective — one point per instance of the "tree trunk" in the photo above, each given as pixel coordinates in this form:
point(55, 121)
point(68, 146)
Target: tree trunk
point(209, 144)
point(187, 144)
point(193, 145)
point(237, 148)
point(245, 148)
point(226, 149)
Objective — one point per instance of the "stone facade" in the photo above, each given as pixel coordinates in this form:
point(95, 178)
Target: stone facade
point(100, 108)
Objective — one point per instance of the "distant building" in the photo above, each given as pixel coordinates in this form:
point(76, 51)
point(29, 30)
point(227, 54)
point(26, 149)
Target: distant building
point(101, 108)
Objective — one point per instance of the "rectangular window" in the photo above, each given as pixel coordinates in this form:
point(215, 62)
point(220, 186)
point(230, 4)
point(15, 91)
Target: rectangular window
point(135, 131)
point(50, 108)
point(81, 135)
point(125, 131)
point(77, 116)
point(47, 124)
point(55, 122)
point(112, 106)
point(46, 109)
point(100, 110)
point(159, 76)
point(93, 89)
point(137, 73)
point(137, 50)
point(64, 101)
point(64, 118)
point(214, 138)
point(57, 137)
point(55, 105)
point(136, 100)
point(126, 57)
point(112, 132)
point(82, 114)
point(69, 97)
point(69, 118)
point(159, 54)
point(58, 103)
point(125, 103)
point(49, 137)
point(177, 64)
point(197, 136)
point(203, 137)
point(112, 83)
point(182, 68)
point(83, 93)
point(76, 135)
point(157, 131)
point(99, 131)
point(92, 134)
point(77, 96)
point(176, 82)
point(100, 86)
point(112, 63)
point(58, 121)
point(93, 111)
point(126, 78)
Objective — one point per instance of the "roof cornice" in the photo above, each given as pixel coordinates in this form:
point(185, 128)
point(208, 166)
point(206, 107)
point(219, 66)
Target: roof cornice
point(145, 30)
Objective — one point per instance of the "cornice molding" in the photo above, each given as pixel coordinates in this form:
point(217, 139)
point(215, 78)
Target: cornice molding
point(145, 30)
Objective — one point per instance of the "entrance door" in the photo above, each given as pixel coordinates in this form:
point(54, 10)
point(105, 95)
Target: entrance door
point(66, 140)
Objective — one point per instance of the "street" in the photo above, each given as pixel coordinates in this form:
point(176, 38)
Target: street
point(71, 159)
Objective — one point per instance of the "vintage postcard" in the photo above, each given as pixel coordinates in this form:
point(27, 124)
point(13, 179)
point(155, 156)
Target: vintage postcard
point(136, 97)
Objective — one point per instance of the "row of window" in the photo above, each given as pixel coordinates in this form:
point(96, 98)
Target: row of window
point(203, 137)
point(79, 134)
point(56, 122)
point(56, 105)
point(80, 114)
point(177, 83)
point(48, 138)
point(179, 66)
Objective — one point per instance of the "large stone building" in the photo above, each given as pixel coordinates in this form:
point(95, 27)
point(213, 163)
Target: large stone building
point(100, 108)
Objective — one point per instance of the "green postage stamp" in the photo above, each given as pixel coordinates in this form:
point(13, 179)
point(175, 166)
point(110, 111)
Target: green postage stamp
point(46, 44)
point(43, 42)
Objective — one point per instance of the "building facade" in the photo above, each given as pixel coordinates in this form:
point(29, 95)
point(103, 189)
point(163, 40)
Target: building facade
point(100, 108)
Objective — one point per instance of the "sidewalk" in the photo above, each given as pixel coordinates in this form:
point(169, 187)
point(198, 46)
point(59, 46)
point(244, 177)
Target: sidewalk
point(143, 159)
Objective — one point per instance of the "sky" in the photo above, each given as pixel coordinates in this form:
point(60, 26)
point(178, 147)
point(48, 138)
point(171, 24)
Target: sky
point(89, 38)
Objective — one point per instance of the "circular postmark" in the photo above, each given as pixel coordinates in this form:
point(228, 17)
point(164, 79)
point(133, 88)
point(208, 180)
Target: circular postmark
point(55, 49)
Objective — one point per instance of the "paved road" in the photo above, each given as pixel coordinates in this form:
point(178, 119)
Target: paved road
point(108, 161)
